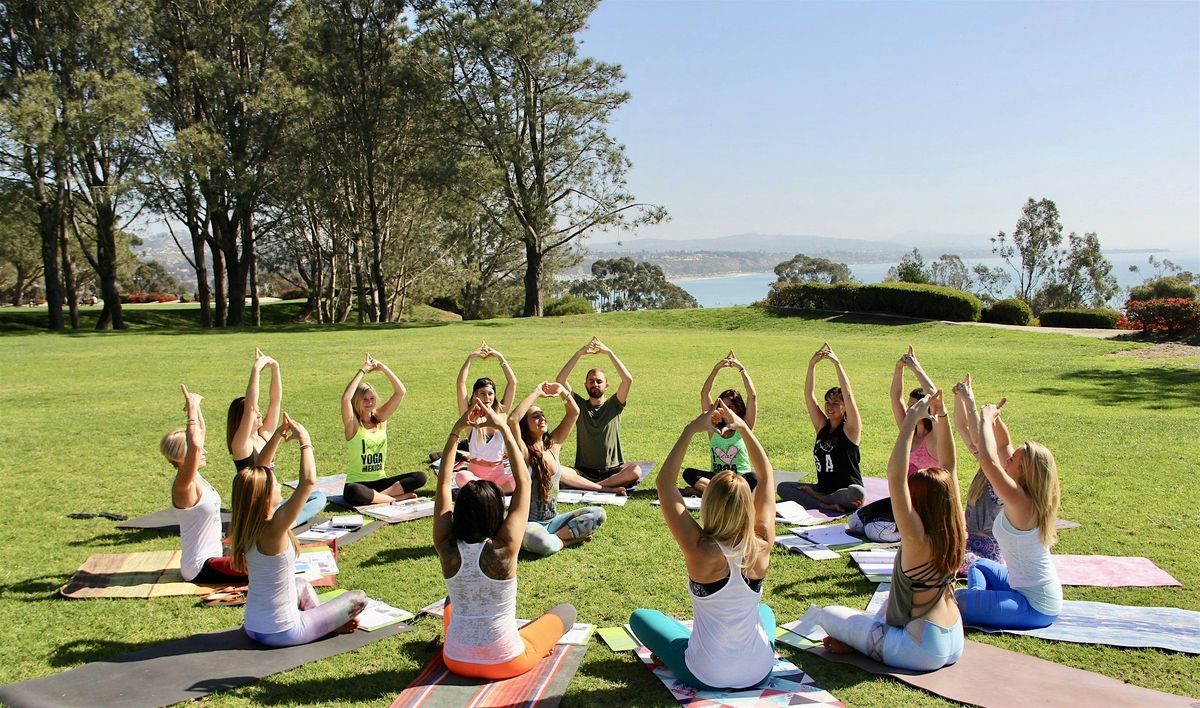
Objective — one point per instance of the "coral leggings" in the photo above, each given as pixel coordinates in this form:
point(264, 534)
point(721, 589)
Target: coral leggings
point(539, 636)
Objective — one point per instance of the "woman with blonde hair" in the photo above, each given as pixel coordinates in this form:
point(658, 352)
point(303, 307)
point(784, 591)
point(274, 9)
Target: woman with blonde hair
point(197, 504)
point(1027, 593)
point(485, 446)
point(282, 609)
point(919, 628)
point(732, 640)
point(365, 422)
point(249, 435)
point(477, 544)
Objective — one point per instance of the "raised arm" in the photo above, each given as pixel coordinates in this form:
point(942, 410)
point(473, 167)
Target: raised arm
point(764, 493)
point(185, 492)
point(751, 392)
point(274, 400)
point(964, 417)
point(946, 454)
point(241, 446)
point(1006, 488)
point(896, 393)
point(443, 502)
point(349, 416)
point(266, 456)
point(570, 411)
point(853, 424)
point(510, 381)
point(568, 367)
point(393, 402)
point(275, 533)
point(622, 394)
point(514, 418)
point(815, 414)
point(1004, 446)
point(682, 526)
point(907, 521)
point(464, 373)
point(512, 531)
point(706, 402)
point(910, 360)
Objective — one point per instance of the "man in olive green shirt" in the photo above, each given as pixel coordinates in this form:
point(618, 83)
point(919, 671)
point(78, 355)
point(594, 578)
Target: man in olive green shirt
point(598, 431)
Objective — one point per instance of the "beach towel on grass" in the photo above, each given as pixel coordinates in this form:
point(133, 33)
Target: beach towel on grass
point(1111, 572)
point(1027, 680)
point(141, 576)
point(179, 670)
point(787, 686)
point(541, 687)
point(1121, 626)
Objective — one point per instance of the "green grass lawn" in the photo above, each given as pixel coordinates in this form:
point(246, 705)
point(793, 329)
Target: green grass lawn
point(81, 415)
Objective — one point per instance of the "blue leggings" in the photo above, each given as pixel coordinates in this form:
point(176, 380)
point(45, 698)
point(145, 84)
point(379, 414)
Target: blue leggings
point(668, 638)
point(312, 506)
point(542, 537)
point(989, 601)
point(316, 619)
point(919, 645)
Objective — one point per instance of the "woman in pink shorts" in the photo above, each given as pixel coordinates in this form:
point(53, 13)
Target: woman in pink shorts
point(485, 444)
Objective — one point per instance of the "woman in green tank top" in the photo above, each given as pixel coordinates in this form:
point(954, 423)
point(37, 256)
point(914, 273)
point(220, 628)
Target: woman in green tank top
point(726, 447)
point(367, 481)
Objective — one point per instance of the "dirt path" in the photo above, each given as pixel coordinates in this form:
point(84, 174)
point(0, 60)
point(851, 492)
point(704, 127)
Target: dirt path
point(1094, 333)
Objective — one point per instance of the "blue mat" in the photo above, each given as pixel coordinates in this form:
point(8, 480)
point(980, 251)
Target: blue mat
point(1121, 626)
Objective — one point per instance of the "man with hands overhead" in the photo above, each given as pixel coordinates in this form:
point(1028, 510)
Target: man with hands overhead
point(598, 456)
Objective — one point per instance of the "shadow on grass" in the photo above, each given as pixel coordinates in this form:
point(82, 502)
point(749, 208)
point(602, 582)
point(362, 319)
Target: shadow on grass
point(378, 687)
point(840, 317)
point(632, 683)
point(122, 537)
point(389, 556)
point(828, 589)
point(1154, 389)
point(42, 587)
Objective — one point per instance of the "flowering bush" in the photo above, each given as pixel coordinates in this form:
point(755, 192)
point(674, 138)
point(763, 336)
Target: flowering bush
point(157, 296)
point(1173, 315)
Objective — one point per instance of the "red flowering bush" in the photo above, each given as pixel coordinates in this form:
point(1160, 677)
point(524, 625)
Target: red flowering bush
point(157, 296)
point(1173, 315)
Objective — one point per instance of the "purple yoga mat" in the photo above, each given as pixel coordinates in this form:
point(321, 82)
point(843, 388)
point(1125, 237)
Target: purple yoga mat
point(877, 488)
point(1112, 572)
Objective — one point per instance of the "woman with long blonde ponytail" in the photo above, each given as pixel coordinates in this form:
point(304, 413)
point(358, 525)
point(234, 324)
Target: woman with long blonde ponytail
point(732, 641)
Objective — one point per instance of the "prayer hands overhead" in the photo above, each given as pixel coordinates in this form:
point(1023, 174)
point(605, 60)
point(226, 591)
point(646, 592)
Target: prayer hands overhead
point(551, 389)
point(191, 401)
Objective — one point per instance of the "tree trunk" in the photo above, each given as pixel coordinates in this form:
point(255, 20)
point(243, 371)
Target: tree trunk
point(49, 218)
point(68, 275)
point(533, 282)
point(196, 229)
point(250, 256)
point(106, 268)
point(19, 287)
point(360, 287)
point(235, 291)
point(218, 269)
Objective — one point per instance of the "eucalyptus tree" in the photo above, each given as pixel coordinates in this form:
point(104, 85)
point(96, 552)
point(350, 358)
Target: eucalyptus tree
point(539, 111)
point(1032, 248)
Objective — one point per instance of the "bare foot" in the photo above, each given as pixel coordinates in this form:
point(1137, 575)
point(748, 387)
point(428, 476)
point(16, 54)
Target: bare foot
point(347, 628)
point(836, 646)
point(577, 541)
point(403, 497)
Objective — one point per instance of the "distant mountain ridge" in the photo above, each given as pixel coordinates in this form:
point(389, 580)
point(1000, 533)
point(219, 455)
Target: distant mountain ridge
point(931, 246)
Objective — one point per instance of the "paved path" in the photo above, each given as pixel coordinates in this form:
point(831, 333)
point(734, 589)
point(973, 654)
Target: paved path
point(1095, 333)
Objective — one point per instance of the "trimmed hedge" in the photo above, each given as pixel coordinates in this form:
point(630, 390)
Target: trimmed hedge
point(567, 305)
point(1012, 312)
point(907, 299)
point(1162, 289)
point(1175, 315)
point(1081, 318)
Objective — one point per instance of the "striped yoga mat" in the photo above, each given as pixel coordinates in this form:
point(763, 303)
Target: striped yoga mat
point(542, 687)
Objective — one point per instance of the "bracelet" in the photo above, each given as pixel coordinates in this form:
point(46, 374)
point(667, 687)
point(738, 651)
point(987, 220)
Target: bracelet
point(192, 420)
point(306, 445)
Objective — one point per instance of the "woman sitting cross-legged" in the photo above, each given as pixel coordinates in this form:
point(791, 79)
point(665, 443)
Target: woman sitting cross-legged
point(983, 504)
point(477, 544)
point(920, 629)
point(197, 504)
point(1026, 594)
point(485, 448)
point(728, 448)
point(548, 531)
point(282, 609)
point(732, 640)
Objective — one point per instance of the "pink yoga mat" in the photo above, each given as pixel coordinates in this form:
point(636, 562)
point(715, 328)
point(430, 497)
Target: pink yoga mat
point(1112, 572)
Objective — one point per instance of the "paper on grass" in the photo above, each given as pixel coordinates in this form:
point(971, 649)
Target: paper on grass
point(437, 609)
point(316, 564)
point(346, 521)
point(798, 544)
point(876, 563)
point(807, 625)
point(321, 532)
point(832, 535)
point(406, 510)
point(618, 638)
point(689, 503)
point(790, 512)
point(379, 614)
point(582, 497)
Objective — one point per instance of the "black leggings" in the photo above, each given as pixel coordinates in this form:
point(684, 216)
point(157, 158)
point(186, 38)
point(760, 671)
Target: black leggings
point(691, 475)
point(363, 493)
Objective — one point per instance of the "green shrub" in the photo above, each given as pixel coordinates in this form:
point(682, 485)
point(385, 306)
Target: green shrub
point(1162, 288)
point(1012, 311)
point(293, 294)
point(1081, 317)
point(567, 305)
point(814, 296)
point(933, 302)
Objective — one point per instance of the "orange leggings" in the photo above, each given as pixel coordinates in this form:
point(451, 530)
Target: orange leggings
point(539, 636)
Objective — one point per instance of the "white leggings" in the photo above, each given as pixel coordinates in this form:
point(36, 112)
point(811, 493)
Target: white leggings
point(920, 645)
point(316, 618)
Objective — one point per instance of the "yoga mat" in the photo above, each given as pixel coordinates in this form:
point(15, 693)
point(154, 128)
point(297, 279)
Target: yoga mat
point(177, 671)
point(1112, 572)
point(1121, 626)
point(646, 467)
point(165, 521)
point(787, 686)
point(989, 676)
point(543, 686)
point(142, 576)
point(877, 488)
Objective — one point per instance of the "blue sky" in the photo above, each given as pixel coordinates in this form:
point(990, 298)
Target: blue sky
point(875, 119)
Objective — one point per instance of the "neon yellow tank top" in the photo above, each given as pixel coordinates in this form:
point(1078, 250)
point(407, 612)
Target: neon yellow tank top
point(368, 454)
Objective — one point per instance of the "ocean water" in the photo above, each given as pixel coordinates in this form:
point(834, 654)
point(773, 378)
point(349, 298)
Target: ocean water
point(730, 290)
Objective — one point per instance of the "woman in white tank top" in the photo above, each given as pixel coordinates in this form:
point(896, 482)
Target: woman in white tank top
point(282, 609)
point(732, 640)
point(477, 544)
point(485, 445)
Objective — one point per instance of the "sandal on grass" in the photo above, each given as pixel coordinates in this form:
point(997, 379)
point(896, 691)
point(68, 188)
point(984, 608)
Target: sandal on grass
point(228, 597)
